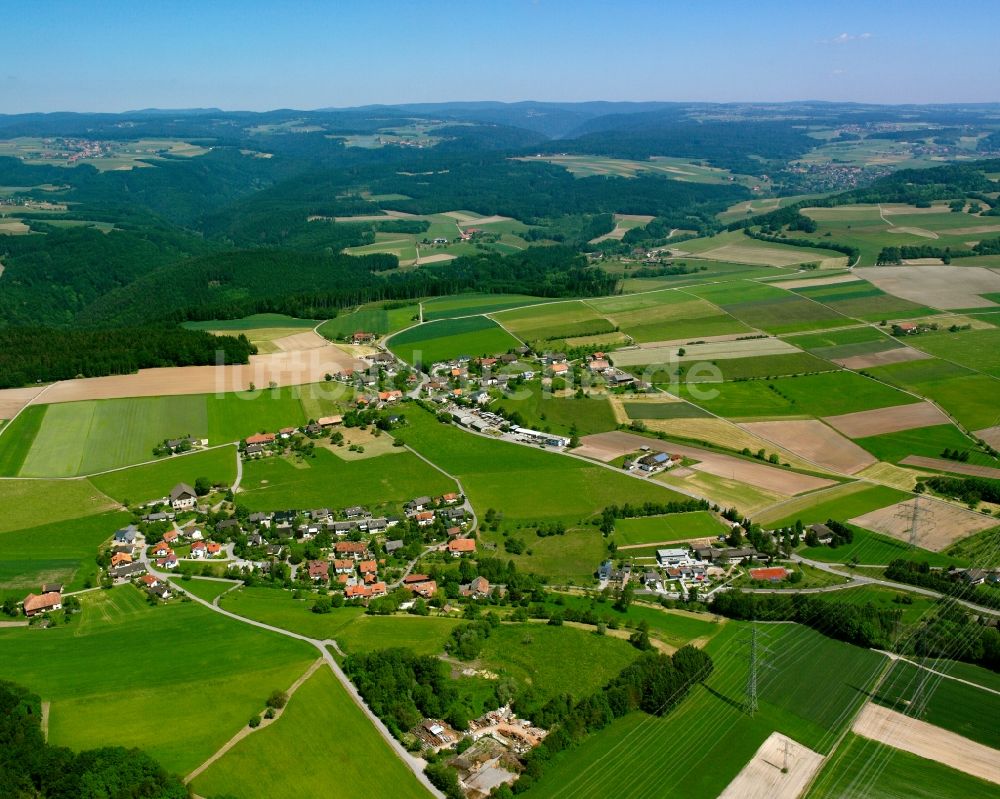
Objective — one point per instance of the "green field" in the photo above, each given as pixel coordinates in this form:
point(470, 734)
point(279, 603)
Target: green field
point(675, 527)
point(664, 410)
point(966, 395)
point(769, 308)
point(253, 322)
point(369, 319)
point(861, 768)
point(196, 675)
point(554, 321)
point(827, 394)
point(203, 588)
point(667, 315)
point(154, 480)
point(829, 340)
point(425, 635)
point(321, 745)
point(556, 660)
point(447, 339)
point(862, 300)
point(469, 304)
point(542, 411)
point(698, 748)
point(793, 363)
point(328, 481)
point(30, 503)
point(61, 552)
point(530, 487)
point(885, 598)
point(959, 707)
point(929, 442)
point(976, 349)
point(842, 503)
point(278, 608)
point(17, 437)
point(874, 549)
point(93, 436)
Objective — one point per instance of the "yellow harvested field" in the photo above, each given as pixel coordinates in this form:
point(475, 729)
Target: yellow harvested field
point(891, 475)
point(283, 368)
point(436, 258)
point(780, 769)
point(762, 256)
point(816, 442)
point(917, 737)
point(722, 491)
point(887, 420)
point(803, 283)
point(936, 286)
point(884, 358)
point(307, 340)
point(13, 227)
point(608, 446)
point(940, 524)
point(13, 399)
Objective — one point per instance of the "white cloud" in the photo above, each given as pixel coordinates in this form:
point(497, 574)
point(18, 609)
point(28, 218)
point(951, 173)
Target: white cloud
point(844, 38)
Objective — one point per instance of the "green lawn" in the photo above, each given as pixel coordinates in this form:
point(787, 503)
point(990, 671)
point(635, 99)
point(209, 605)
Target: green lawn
point(927, 441)
point(875, 549)
point(237, 415)
point(696, 750)
point(886, 598)
point(542, 411)
point(60, 552)
point(827, 394)
point(447, 339)
point(846, 502)
point(328, 481)
point(30, 503)
point(278, 608)
point(17, 437)
point(556, 660)
point(196, 675)
point(153, 480)
point(202, 588)
point(861, 768)
point(321, 745)
point(425, 635)
point(675, 527)
point(961, 708)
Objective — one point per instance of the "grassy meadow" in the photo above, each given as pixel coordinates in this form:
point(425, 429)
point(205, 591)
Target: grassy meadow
point(447, 339)
point(674, 527)
point(197, 676)
point(30, 503)
point(154, 480)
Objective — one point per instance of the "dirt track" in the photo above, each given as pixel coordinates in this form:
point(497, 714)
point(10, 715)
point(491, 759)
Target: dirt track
point(815, 441)
point(608, 446)
point(894, 729)
point(887, 420)
point(762, 777)
point(284, 368)
point(939, 524)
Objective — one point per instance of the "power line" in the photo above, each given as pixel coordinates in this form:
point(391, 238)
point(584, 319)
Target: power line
point(759, 655)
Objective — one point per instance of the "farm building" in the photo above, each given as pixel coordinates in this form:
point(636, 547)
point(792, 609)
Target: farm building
point(183, 497)
point(41, 603)
point(461, 546)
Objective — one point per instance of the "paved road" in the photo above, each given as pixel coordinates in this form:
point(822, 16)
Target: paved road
point(415, 764)
point(239, 471)
point(411, 566)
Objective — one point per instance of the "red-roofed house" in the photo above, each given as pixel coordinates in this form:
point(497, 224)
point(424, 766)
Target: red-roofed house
point(261, 438)
point(378, 589)
point(120, 559)
point(368, 567)
point(170, 536)
point(390, 396)
point(461, 546)
point(42, 603)
point(426, 589)
point(424, 518)
point(343, 566)
point(412, 579)
point(319, 570)
point(161, 550)
point(357, 592)
point(213, 549)
point(149, 581)
point(355, 548)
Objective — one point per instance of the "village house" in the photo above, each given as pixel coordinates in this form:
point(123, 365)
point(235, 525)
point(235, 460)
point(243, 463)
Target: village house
point(120, 559)
point(557, 369)
point(213, 549)
point(170, 536)
point(149, 581)
point(41, 603)
point(253, 451)
point(424, 518)
point(393, 546)
point(161, 550)
point(355, 511)
point(390, 396)
point(461, 546)
point(160, 591)
point(319, 571)
point(260, 438)
point(824, 535)
point(478, 588)
point(604, 571)
point(126, 535)
point(356, 549)
point(362, 337)
point(357, 592)
point(368, 567)
point(425, 589)
point(127, 572)
point(343, 566)
point(330, 421)
point(183, 497)
point(169, 562)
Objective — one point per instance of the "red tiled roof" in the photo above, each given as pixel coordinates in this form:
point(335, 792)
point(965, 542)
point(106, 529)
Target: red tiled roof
point(260, 438)
point(462, 545)
point(410, 579)
point(33, 603)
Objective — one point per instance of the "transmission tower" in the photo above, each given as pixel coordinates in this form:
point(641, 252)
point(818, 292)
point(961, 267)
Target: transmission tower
point(912, 516)
point(758, 659)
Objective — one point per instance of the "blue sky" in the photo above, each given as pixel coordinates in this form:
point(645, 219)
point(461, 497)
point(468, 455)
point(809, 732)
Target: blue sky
point(115, 56)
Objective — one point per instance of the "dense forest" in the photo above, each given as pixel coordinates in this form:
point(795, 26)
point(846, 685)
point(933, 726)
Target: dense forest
point(32, 769)
point(38, 354)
